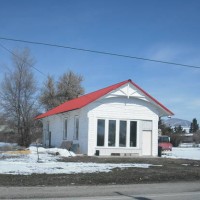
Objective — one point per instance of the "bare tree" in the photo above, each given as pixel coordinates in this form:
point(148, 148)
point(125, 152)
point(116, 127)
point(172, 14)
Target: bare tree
point(68, 87)
point(17, 95)
point(48, 95)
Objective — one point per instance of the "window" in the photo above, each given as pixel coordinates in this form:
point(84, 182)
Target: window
point(47, 131)
point(117, 133)
point(111, 132)
point(100, 132)
point(65, 129)
point(133, 134)
point(76, 128)
point(122, 133)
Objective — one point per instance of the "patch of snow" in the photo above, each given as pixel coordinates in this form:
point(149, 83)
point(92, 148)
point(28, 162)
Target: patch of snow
point(19, 167)
point(48, 162)
point(47, 155)
point(185, 153)
point(58, 151)
point(3, 144)
point(186, 145)
point(62, 152)
point(28, 164)
point(185, 164)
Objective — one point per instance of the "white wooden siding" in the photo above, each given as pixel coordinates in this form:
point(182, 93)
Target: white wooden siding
point(56, 127)
point(117, 108)
point(146, 125)
point(123, 109)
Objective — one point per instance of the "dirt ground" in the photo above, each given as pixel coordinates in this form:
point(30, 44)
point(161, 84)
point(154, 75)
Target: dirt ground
point(165, 170)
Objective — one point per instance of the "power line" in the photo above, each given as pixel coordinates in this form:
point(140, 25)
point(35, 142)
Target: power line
point(11, 52)
point(101, 52)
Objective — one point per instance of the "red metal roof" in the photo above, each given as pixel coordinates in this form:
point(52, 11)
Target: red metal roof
point(88, 98)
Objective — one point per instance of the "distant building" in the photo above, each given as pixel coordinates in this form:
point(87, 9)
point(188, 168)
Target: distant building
point(187, 138)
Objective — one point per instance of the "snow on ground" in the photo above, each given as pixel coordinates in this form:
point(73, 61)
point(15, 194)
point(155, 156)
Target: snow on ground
point(48, 163)
point(3, 144)
point(28, 164)
point(185, 153)
point(20, 167)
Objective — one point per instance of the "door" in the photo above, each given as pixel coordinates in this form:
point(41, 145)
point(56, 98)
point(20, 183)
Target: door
point(146, 143)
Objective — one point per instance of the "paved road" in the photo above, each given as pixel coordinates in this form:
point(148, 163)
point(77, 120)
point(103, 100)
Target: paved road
point(166, 191)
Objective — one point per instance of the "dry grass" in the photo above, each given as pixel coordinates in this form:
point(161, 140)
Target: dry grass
point(18, 152)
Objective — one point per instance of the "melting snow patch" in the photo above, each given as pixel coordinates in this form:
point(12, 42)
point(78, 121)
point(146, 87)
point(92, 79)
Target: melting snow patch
point(7, 167)
point(28, 164)
point(185, 164)
point(3, 144)
point(185, 153)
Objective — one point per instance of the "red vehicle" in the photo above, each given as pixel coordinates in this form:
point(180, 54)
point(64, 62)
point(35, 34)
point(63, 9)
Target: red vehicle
point(164, 143)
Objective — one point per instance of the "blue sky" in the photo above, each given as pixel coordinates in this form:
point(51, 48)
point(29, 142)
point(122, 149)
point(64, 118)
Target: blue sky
point(164, 30)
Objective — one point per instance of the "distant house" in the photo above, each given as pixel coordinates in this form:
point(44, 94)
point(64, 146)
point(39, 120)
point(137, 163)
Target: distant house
point(187, 138)
point(121, 119)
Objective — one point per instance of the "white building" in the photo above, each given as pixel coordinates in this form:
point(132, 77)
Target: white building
point(119, 119)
